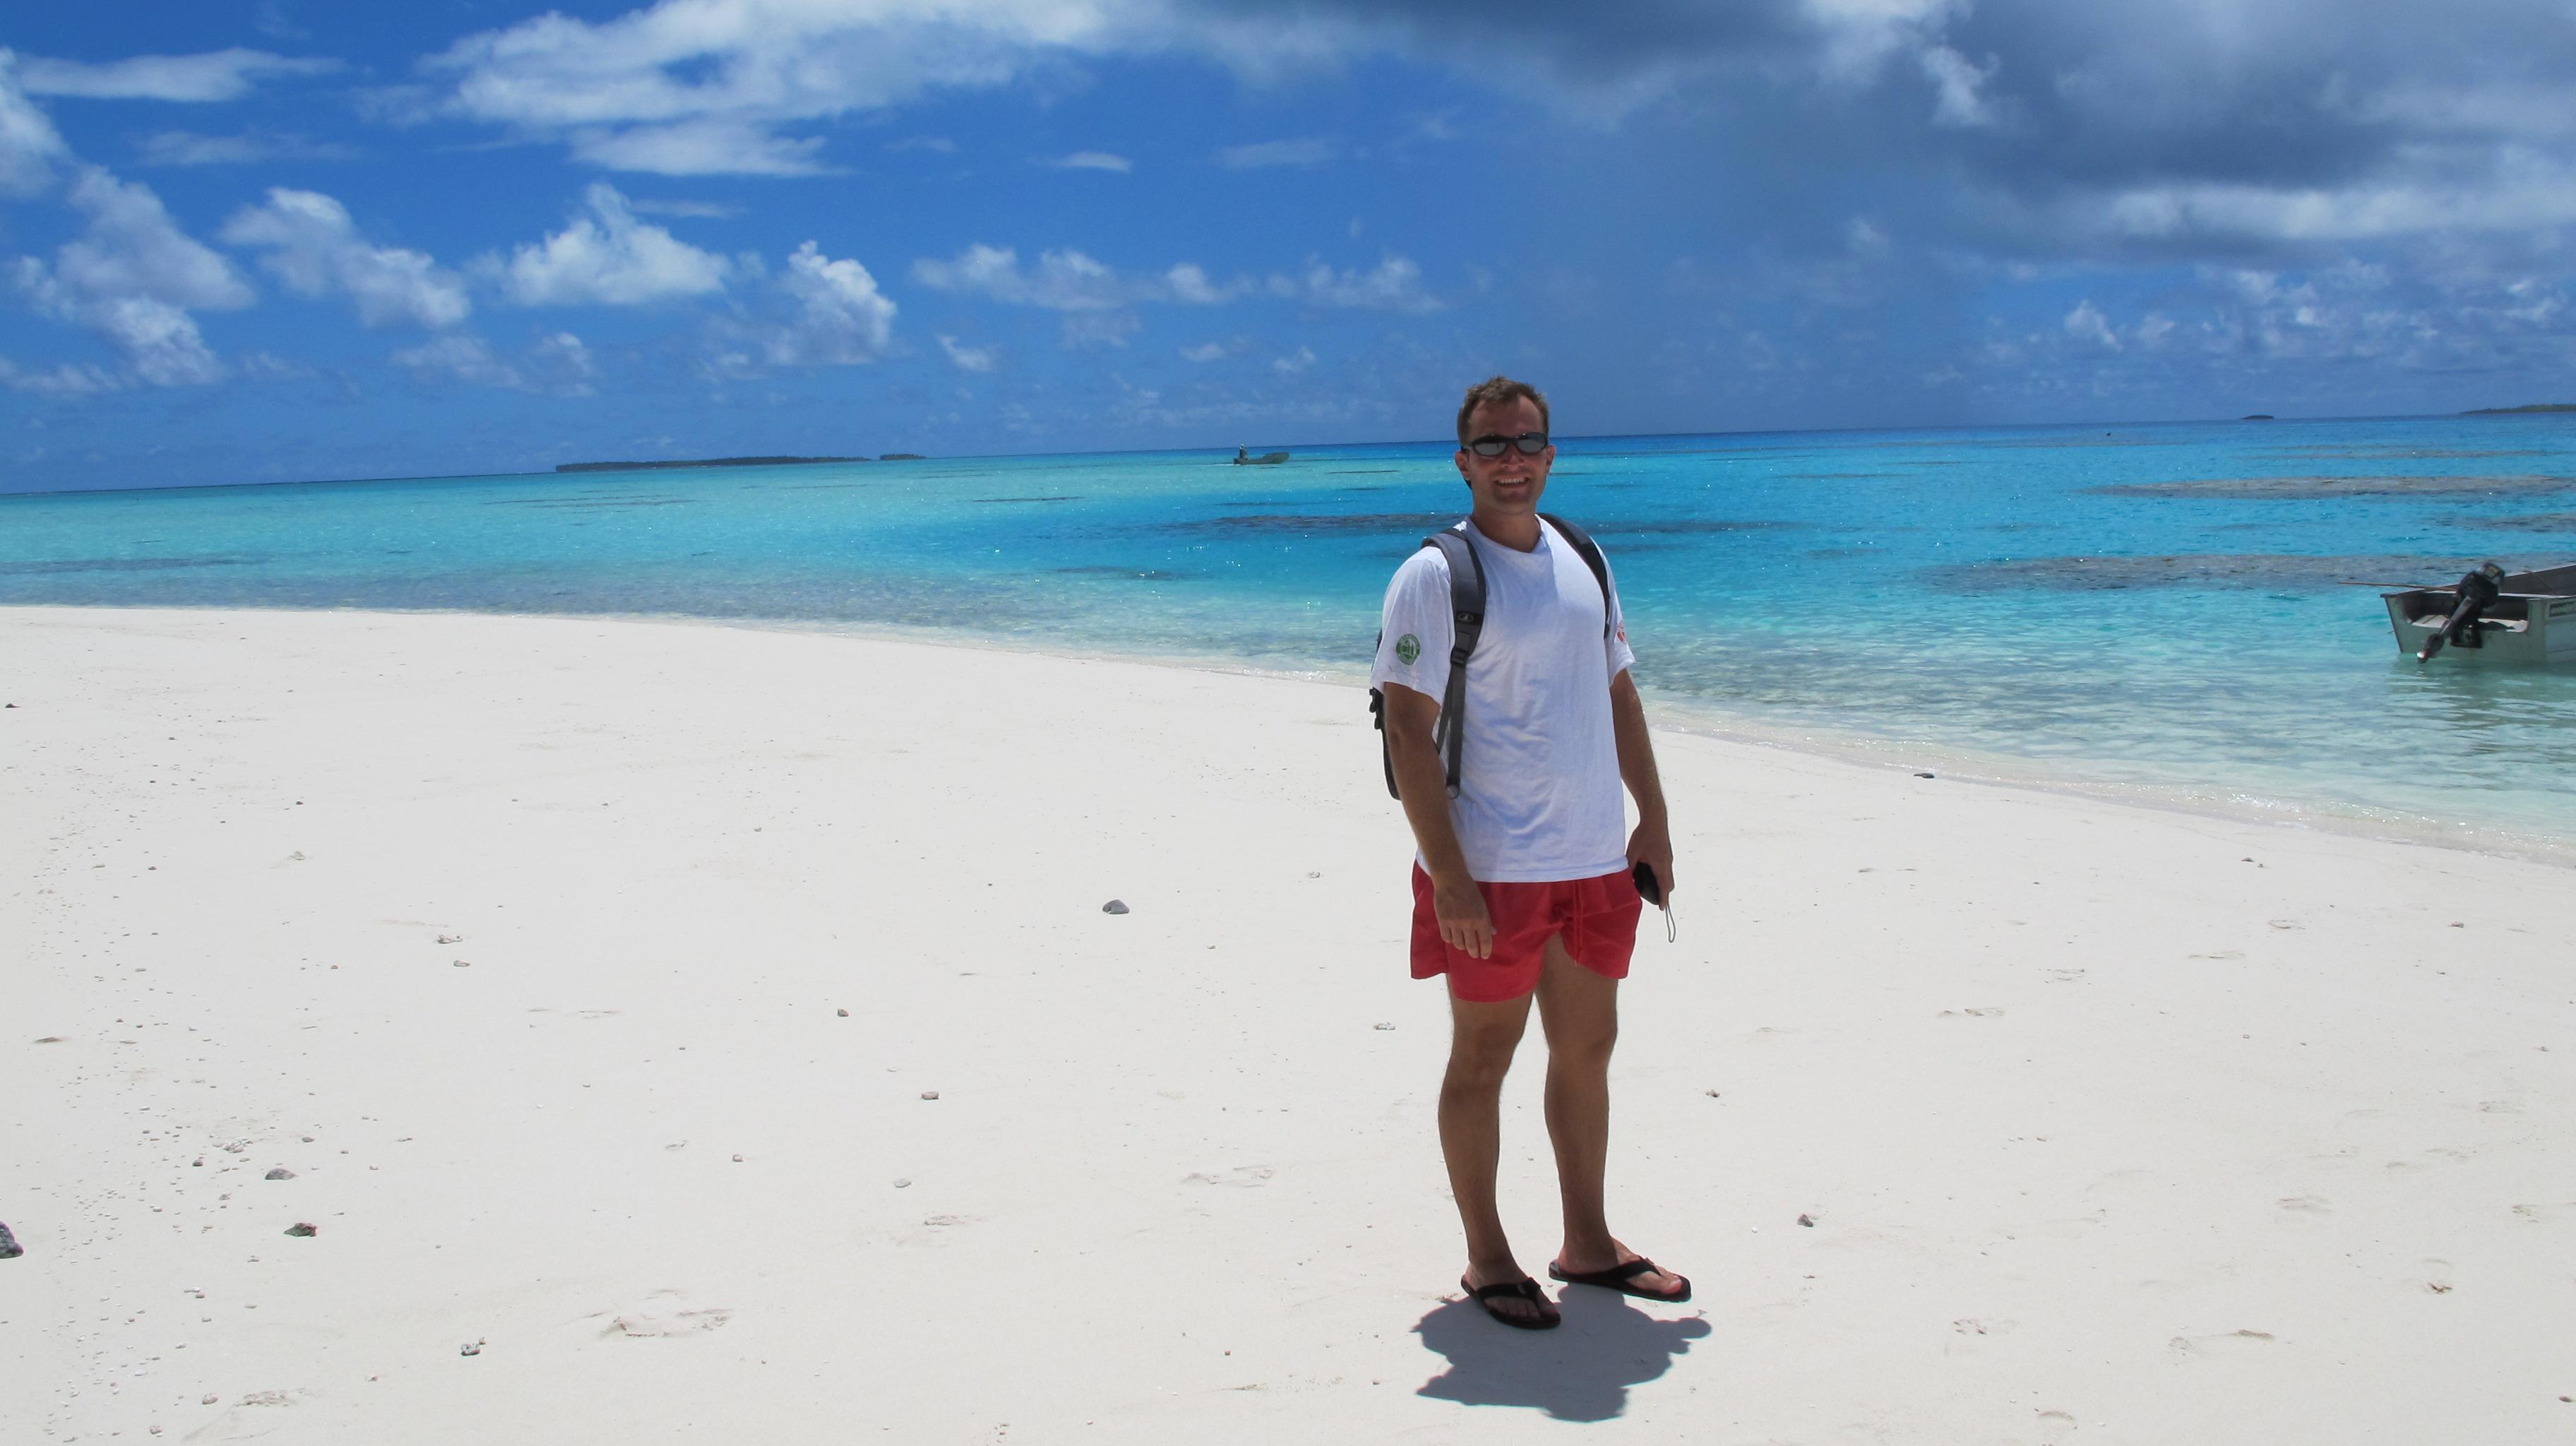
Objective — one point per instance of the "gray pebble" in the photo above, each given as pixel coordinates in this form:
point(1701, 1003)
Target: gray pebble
point(843, 1013)
point(1381, 1026)
point(470, 1348)
point(903, 1184)
point(280, 1173)
point(301, 1228)
point(930, 1094)
point(1923, 775)
point(1114, 906)
point(10, 1249)
point(464, 963)
point(1807, 1220)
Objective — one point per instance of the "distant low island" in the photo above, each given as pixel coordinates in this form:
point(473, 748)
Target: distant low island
point(2510, 411)
point(714, 462)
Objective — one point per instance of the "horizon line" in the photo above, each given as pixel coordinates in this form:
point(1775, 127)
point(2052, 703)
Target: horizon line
point(558, 472)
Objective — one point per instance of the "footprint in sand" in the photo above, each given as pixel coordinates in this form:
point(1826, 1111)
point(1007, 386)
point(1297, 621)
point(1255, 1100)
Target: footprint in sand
point(661, 1314)
point(2185, 1348)
point(1242, 1177)
point(644, 1325)
point(935, 1229)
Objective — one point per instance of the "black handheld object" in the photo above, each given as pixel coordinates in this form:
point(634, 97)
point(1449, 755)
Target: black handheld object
point(1648, 887)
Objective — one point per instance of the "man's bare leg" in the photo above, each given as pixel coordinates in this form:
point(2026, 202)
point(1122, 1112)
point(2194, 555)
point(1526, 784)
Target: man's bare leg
point(1578, 1010)
point(1481, 1041)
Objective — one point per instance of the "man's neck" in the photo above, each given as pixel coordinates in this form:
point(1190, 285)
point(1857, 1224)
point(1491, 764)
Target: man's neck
point(1515, 530)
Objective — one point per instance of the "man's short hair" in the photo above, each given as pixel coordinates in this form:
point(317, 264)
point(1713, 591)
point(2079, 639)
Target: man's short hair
point(1498, 391)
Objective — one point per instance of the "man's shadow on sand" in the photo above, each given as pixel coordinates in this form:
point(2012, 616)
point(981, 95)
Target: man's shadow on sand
point(1580, 1371)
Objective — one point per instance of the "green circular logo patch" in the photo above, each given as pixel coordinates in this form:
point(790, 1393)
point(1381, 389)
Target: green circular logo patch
point(1408, 648)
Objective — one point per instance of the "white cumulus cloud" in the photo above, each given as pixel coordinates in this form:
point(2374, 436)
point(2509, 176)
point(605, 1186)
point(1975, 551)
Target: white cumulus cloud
point(1098, 301)
point(607, 257)
point(2087, 323)
point(188, 148)
point(214, 76)
point(1187, 282)
point(1306, 151)
point(1060, 281)
point(555, 364)
point(967, 358)
point(1093, 161)
point(458, 357)
point(67, 382)
point(839, 316)
point(697, 86)
point(704, 146)
point(1394, 284)
point(133, 277)
point(313, 246)
point(29, 144)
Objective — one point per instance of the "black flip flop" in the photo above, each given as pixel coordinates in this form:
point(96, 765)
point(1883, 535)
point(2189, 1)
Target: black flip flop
point(1617, 1278)
point(1524, 1289)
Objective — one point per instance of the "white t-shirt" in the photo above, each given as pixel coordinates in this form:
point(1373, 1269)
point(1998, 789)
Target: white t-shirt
point(1538, 772)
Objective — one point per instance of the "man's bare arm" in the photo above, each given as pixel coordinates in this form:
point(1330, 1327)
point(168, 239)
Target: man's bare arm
point(1422, 781)
point(1652, 842)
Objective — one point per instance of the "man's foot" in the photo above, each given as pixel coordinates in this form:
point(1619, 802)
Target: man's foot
point(1519, 1303)
point(1626, 1272)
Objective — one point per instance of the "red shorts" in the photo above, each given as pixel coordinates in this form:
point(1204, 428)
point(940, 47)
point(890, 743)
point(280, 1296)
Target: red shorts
point(1598, 918)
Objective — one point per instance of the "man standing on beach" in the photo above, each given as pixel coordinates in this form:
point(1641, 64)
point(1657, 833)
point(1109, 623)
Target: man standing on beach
point(1523, 889)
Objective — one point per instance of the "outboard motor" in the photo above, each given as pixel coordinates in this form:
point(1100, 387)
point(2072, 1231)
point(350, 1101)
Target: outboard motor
point(2478, 592)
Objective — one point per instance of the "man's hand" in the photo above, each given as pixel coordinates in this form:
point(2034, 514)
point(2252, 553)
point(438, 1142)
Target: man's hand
point(1421, 780)
point(1466, 925)
point(1652, 843)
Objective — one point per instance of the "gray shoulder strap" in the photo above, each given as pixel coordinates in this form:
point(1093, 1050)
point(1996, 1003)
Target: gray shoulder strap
point(1467, 616)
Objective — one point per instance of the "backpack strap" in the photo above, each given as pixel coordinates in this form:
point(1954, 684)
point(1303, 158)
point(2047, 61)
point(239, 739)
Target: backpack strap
point(1591, 553)
point(1467, 619)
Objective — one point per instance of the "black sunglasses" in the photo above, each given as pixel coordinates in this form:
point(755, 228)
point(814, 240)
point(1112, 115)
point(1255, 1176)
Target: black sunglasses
point(1492, 444)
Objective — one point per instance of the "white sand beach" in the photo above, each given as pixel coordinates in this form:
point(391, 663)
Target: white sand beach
point(594, 980)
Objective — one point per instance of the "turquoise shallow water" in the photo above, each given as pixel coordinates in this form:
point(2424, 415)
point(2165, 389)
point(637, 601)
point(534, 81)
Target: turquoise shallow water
point(2040, 603)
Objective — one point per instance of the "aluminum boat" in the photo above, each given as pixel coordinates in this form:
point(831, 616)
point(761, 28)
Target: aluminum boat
point(2530, 618)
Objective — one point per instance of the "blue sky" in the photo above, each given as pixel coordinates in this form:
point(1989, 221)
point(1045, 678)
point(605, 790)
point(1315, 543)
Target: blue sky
point(282, 241)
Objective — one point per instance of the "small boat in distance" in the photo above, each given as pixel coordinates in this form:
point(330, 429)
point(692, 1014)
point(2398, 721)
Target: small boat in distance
point(1244, 458)
point(2490, 616)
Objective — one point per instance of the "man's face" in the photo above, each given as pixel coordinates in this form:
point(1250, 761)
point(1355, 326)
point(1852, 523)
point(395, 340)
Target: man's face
point(1512, 482)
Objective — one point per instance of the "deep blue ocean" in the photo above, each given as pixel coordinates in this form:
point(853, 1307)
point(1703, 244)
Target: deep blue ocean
point(2158, 611)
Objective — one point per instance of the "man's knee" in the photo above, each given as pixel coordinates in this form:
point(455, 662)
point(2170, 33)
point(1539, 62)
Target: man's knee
point(1584, 1044)
point(1480, 1053)
point(1578, 1010)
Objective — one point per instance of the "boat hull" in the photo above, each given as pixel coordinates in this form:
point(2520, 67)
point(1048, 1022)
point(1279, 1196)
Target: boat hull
point(2529, 631)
